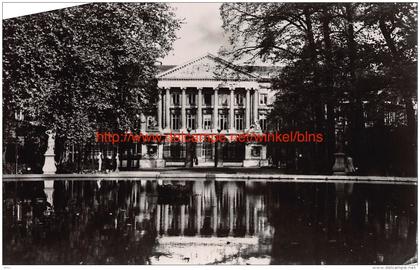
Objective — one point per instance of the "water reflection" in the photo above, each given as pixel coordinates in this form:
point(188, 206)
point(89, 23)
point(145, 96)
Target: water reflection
point(177, 222)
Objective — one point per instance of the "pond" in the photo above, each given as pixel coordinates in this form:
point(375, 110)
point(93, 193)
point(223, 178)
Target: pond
point(207, 222)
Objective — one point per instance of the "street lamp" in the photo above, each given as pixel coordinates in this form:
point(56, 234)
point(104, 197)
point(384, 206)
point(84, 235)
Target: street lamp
point(18, 118)
point(217, 146)
point(188, 150)
point(339, 167)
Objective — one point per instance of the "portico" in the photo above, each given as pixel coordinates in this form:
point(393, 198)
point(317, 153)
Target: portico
point(227, 109)
point(206, 95)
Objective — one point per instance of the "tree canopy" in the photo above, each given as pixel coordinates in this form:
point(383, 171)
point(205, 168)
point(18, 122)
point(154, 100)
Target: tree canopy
point(84, 68)
point(343, 65)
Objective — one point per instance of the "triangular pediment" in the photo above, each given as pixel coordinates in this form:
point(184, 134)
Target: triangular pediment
point(208, 67)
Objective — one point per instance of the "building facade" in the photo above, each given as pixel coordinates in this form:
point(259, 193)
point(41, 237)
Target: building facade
point(209, 95)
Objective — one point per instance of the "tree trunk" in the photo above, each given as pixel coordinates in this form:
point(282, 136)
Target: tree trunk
point(79, 157)
point(356, 117)
point(330, 95)
point(317, 102)
point(404, 90)
point(388, 39)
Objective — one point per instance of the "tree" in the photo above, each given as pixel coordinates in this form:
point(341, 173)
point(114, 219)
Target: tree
point(397, 25)
point(288, 33)
point(337, 60)
point(86, 68)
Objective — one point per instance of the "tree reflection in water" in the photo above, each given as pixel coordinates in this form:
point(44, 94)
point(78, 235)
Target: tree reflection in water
point(177, 222)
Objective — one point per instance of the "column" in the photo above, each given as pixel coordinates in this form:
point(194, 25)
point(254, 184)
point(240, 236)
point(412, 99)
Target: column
point(232, 110)
point(160, 151)
point(214, 219)
point(247, 109)
point(198, 214)
point(216, 110)
point(158, 219)
point(255, 220)
point(159, 116)
point(255, 107)
point(231, 216)
point(166, 219)
point(219, 211)
point(200, 109)
point(183, 112)
point(167, 110)
point(247, 215)
point(182, 225)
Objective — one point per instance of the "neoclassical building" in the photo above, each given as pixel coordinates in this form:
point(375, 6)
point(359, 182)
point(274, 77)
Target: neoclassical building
point(209, 95)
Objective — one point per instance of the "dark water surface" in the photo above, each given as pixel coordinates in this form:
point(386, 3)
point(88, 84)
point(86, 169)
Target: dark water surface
point(208, 222)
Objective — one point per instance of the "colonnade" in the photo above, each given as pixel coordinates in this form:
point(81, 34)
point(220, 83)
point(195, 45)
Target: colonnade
point(164, 107)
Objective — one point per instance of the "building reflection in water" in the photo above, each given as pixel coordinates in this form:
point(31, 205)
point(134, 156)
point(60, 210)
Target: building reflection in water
point(219, 221)
point(179, 222)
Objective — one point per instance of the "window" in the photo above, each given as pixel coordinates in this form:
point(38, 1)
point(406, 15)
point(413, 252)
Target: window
point(191, 121)
point(239, 99)
point(239, 121)
point(152, 151)
point(191, 99)
point(175, 99)
point(390, 118)
point(263, 121)
point(263, 99)
point(223, 123)
point(175, 121)
point(207, 99)
point(207, 121)
point(256, 151)
point(223, 100)
point(151, 122)
point(207, 151)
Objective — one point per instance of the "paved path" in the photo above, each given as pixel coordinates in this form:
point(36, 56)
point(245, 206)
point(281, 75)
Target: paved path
point(223, 174)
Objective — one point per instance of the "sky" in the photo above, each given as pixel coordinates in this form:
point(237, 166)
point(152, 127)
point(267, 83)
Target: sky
point(200, 34)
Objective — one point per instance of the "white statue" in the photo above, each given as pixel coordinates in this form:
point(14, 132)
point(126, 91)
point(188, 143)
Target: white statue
point(117, 161)
point(49, 163)
point(51, 142)
point(143, 122)
point(99, 161)
point(255, 127)
point(350, 169)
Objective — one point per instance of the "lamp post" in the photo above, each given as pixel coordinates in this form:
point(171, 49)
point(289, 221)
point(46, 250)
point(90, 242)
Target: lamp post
point(136, 144)
point(188, 150)
point(339, 167)
point(18, 118)
point(217, 150)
